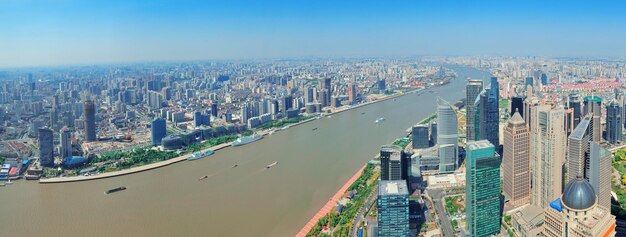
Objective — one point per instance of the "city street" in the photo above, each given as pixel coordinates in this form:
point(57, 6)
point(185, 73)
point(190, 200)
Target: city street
point(437, 196)
point(362, 214)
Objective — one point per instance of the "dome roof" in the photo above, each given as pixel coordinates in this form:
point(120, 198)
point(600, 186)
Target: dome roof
point(579, 195)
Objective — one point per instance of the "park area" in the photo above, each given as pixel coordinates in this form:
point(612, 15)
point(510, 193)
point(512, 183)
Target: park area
point(455, 208)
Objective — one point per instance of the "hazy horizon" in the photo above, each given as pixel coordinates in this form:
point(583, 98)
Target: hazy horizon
point(72, 32)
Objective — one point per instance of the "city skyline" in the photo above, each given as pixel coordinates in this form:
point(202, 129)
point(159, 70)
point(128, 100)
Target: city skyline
point(99, 32)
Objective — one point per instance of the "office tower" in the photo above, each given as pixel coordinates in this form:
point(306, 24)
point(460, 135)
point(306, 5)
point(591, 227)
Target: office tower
point(433, 133)
point(90, 120)
point(599, 173)
point(482, 189)
point(574, 104)
point(166, 92)
point(46, 147)
point(489, 113)
point(420, 136)
point(351, 92)
point(309, 95)
point(548, 144)
point(159, 130)
point(382, 86)
point(593, 106)
point(287, 103)
point(578, 149)
point(529, 104)
point(472, 90)
point(326, 86)
point(577, 213)
point(447, 134)
point(516, 161)
point(66, 142)
point(517, 105)
point(393, 208)
point(394, 163)
point(54, 118)
point(614, 123)
point(214, 109)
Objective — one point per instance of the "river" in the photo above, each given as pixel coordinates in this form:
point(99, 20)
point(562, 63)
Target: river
point(248, 200)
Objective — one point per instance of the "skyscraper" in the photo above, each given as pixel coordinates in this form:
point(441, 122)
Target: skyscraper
point(574, 104)
point(351, 92)
point(472, 90)
point(66, 142)
point(433, 133)
point(593, 106)
point(578, 149)
point(90, 120)
point(599, 173)
point(329, 92)
point(482, 189)
point(46, 147)
point(394, 163)
point(548, 143)
point(159, 131)
point(393, 208)
point(420, 136)
point(614, 123)
point(489, 113)
point(214, 109)
point(517, 105)
point(447, 134)
point(516, 161)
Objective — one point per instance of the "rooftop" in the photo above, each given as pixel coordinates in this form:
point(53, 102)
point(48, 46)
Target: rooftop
point(393, 187)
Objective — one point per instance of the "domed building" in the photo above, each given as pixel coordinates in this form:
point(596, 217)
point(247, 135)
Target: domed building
point(577, 213)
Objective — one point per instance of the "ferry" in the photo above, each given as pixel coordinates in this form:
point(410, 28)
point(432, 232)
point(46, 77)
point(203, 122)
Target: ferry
point(379, 120)
point(245, 140)
point(313, 129)
point(203, 177)
point(271, 165)
point(115, 190)
point(200, 155)
point(234, 166)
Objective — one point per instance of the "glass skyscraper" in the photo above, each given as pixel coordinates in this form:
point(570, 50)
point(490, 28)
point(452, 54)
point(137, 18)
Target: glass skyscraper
point(447, 136)
point(472, 90)
point(489, 114)
point(393, 208)
point(482, 190)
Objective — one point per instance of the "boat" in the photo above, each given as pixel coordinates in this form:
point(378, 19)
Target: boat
point(200, 155)
point(115, 190)
point(8, 182)
point(379, 120)
point(313, 129)
point(3, 185)
point(235, 166)
point(362, 112)
point(203, 177)
point(271, 165)
point(247, 139)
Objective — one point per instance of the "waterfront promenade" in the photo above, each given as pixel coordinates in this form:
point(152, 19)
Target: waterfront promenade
point(329, 205)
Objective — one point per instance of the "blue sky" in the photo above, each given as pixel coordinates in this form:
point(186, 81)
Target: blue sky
point(61, 32)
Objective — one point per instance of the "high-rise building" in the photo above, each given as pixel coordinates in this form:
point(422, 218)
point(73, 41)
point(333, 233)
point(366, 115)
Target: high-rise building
point(482, 189)
point(548, 144)
point(516, 161)
point(578, 149)
point(159, 131)
point(577, 213)
point(614, 123)
point(393, 208)
point(46, 147)
point(352, 92)
point(433, 133)
point(419, 134)
point(593, 106)
point(66, 142)
point(394, 163)
point(599, 174)
point(472, 90)
point(517, 105)
point(329, 92)
point(447, 134)
point(574, 104)
point(489, 113)
point(90, 120)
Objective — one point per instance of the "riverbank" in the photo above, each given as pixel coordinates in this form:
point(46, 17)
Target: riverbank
point(214, 148)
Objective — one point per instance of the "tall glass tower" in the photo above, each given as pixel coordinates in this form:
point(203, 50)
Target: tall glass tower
point(482, 189)
point(393, 208)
